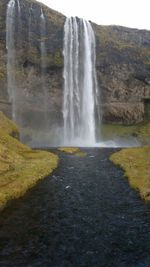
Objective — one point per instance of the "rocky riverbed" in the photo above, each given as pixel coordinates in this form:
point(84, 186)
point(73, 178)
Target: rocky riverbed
point(85, 214)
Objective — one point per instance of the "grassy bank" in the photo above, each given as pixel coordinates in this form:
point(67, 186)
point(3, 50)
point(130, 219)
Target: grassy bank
point(140, 131)
point(136, 164)
point(20, 166)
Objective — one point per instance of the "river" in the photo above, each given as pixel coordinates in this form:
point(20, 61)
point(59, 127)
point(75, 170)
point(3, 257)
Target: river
point(83, 215)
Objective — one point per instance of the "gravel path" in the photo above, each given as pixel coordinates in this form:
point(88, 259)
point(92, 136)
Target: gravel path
point(84, 215)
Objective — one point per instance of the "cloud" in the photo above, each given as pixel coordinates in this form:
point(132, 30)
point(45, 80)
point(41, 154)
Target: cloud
point(130, 13)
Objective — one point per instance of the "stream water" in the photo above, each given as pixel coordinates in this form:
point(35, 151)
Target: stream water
point(83, 215)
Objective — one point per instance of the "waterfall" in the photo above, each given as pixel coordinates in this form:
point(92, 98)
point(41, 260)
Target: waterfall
point(43, 64)
point(10, 45)
point(11, 52)
point(43, 33)
point(80, 83)
point(29, 25)
point(19, 20)
point(19, 8)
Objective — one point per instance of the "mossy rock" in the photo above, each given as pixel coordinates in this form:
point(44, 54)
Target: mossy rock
point(73, 150)
point(69, 150)
point(54, 59)
point(2, 73)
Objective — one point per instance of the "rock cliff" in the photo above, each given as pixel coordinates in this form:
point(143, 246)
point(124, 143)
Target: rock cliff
point(123, 68)
point(27, 69)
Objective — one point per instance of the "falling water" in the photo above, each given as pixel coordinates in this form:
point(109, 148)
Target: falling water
point(43, 64)
point(19, 20)
point(80, 83)
point(19, 8)
point(43, 33)
point(11, 53)
point(10, 45)
point(29, 25)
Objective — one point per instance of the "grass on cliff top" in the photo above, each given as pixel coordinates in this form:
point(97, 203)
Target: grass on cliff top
point(53, 16)
point(136, 164)
point(20, 166)
point(107, 36)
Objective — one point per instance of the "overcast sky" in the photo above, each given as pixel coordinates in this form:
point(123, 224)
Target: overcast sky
point(130, 13)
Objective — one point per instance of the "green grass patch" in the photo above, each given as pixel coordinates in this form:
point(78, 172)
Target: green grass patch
point(140, 131)
point(109, 131)
point(20, 166)
point(136, 164)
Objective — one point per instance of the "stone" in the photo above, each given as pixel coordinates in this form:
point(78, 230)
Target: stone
point(123, 113)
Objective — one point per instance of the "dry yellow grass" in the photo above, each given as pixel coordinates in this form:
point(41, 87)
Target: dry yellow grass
point(8, 126)
point(73, 150)
point(136, 164)
point(20, 166)
point(69, 150)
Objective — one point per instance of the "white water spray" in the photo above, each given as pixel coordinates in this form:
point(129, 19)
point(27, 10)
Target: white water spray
point(42, 45)
point(19, 20)
point(80, 83)
point(43, 66)
point(11, 52)
point(10, 45)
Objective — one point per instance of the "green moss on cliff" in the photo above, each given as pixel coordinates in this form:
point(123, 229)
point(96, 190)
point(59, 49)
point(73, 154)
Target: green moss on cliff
point(58, 59)
point(20, 166)
point(143, 133)
point(140, 131)
point(136, 164)
point(107, 36)
point(55, 59)
point(109, 131)
point(116, 43)
point(145, 53)
point(2, 73)
point(34, 55)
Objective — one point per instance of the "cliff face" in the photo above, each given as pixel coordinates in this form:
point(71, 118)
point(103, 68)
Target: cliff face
point(123, 68)
point(27, 71)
